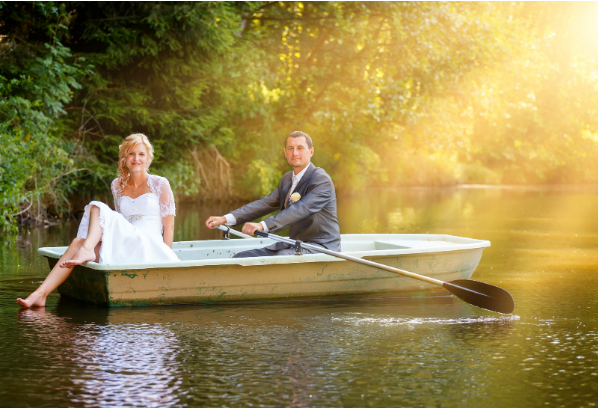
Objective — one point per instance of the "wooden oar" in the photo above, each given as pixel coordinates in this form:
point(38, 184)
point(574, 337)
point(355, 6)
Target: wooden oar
point(479, 294)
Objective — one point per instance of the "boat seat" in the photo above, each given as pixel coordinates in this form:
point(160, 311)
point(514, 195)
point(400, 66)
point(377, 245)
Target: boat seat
point(411, 243)
point(382, 245)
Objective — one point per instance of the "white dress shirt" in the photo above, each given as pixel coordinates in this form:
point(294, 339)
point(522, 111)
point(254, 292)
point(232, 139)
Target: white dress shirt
point(231, 220)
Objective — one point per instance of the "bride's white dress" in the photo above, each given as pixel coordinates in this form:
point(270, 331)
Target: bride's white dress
point(133, 233)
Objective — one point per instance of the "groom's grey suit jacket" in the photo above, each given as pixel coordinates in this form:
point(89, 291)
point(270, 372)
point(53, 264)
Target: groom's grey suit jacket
point(312, 219)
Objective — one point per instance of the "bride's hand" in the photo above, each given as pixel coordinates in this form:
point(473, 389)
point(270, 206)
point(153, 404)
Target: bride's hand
point(213, 221)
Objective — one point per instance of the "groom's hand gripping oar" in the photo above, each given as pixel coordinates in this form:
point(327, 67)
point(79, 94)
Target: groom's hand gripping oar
point(479, 294)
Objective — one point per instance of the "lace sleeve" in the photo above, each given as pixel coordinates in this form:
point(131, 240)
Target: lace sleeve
point(115, 194)
point(166, 199)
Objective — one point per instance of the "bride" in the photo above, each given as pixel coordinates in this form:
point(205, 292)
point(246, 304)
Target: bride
point(133, 233)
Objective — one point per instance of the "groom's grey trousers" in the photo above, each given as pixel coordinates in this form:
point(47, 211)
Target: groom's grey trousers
point(312, 219)
point(266, 251)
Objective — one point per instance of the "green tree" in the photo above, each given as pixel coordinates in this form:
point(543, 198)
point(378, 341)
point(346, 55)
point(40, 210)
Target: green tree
point(364, 77)
point(174, 71)
point(37, 78)
point(393, 93)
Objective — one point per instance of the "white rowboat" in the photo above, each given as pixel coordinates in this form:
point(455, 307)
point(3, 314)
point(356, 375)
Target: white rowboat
point(207, 272)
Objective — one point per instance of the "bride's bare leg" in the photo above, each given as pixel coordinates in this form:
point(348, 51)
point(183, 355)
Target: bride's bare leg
point(56, 276)
point(63, 269)
point(87, 250)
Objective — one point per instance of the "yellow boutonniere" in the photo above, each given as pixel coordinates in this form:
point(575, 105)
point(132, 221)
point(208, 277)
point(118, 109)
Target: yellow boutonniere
point(295, 197)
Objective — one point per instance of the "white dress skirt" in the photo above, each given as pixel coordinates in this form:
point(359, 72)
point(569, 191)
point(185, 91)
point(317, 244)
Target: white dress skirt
point(133, 233)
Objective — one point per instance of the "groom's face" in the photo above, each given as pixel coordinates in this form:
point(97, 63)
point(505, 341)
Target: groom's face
point(297, 153)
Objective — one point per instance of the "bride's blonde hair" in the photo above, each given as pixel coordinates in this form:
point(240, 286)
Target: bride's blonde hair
point(130, 142)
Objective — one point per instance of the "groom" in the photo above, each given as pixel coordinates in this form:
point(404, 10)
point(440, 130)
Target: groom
point(305, 198)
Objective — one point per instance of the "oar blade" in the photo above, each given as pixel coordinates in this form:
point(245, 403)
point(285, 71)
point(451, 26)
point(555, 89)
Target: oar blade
point(482, 295)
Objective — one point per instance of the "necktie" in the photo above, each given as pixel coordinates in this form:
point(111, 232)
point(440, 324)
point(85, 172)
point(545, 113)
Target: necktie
point(286, 201)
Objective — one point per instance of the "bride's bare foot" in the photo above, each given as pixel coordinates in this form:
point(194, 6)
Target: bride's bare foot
point(37, 298)
point(81, 256)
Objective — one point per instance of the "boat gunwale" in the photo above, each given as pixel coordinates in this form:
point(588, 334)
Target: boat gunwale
point(51, 252)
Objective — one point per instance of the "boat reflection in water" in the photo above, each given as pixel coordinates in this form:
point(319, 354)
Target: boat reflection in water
point(111, 364)
point(296, 353)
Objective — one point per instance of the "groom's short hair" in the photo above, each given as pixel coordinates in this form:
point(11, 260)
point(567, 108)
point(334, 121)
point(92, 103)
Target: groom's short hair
point(298, 133)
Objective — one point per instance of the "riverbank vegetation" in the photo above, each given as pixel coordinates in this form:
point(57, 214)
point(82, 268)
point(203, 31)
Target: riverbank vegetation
point(392, 94)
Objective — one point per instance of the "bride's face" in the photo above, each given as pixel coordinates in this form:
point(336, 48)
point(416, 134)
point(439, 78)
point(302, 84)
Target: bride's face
point(137, 158)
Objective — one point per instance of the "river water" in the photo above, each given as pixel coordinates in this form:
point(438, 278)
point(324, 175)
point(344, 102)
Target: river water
point(425, 352)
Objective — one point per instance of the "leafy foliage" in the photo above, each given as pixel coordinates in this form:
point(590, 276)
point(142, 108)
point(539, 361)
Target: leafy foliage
point(36, 82)
point(392, 93)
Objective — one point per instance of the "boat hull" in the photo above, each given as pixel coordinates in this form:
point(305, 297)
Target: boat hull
point(307, 277)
